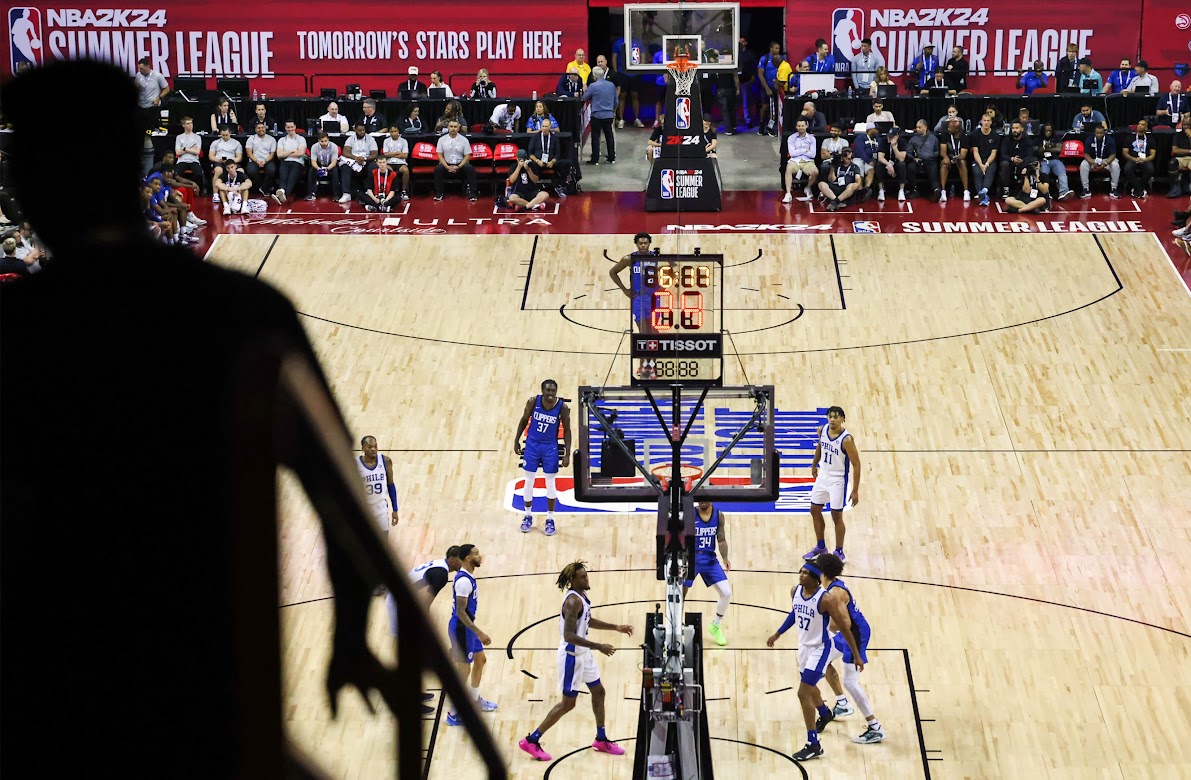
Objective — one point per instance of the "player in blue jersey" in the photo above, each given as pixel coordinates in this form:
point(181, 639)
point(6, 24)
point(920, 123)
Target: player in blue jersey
point(467, 640)
point(812, 610)
point(640, 262)
point(832, 567)
point(711, 530)
point(543, 414)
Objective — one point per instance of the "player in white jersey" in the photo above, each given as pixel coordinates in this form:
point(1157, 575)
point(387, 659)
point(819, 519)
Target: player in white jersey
point(836, 458)
point(813, 609)
point(377, 472)
point(576, 663)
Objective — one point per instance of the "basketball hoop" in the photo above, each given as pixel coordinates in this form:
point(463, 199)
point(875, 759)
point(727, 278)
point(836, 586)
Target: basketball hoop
point(682, 70)
point(690, 474)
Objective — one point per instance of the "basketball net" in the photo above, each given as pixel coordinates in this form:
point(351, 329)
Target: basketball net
point(682, 70)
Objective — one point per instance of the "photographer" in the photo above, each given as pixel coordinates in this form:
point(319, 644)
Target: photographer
point(1031, 193)
point(1034, 79)
point(483, 88)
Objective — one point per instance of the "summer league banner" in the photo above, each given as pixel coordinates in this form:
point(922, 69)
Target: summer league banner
point(1006, 36)
point(283, 42)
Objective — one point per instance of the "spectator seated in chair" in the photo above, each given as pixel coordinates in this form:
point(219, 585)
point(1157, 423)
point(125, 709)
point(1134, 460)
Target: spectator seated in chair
point(525, 193)
point(891, 164)
point(225, 149)
point(454, 159)
point(333, 115)
point(544, 151)
point(262, 158)
point(186, 190)
point(1180, 162)
point(223, 115)
point(815, 121)
point(1030, 192)
point(188, 148)
point(800, 149)
point(436, 82)
point(831, 146)
point(373, 122)
point(1100, 154)
point(570, 85)
point(452, 112)
point(844, 182)
point(413, 122)
point(1051, 166)
point(411, 88)
point(358, 157)
point(381, 191)
point(937, 81)
point(922, 156)
point(324, 160)
point(1139, 161)
point(1171, 104)
point(534, 123)
point(483, 87)
point(291, 151)
point(1016, 148)
point(396, 151)
point(954, 153)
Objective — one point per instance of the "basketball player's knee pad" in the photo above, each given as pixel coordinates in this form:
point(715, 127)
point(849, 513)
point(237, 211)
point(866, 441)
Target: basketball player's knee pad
point(527, 489)
point(551, 491)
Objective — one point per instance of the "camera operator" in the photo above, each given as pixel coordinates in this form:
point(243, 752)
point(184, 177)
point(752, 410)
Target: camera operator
point(1030, 191)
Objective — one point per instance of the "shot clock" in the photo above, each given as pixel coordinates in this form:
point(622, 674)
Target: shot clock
point(676, 320)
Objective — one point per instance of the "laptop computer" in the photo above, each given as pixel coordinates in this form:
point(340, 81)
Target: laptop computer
point(1141, 89)
point(332, 127)
point(939, 91)
point(438, 93)
point(232, 85)
point(192, 88)
point(884, 127)
point(886, 90)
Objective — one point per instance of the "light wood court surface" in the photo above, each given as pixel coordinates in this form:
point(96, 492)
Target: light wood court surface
point(1021, 546)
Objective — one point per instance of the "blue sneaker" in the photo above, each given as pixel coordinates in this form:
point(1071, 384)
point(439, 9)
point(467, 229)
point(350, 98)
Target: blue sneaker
point(984, 200)
point(486, 706)
point(816, 552)
point(839, 553)
point(549, 527)
point(527, 524)
point(453, 719)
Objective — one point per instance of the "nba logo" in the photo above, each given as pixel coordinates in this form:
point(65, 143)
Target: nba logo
point(847, 30)
point(682, 113)
point(24, 37)
point(635, 59)
point(866, 226)
point(667, 183)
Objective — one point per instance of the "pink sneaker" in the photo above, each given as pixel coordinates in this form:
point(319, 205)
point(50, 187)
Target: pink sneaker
point(535, 750)
point(604, 746)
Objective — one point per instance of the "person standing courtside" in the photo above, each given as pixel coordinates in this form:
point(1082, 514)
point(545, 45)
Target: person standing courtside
point(832, 567)
point(602, 96)
point(836, 451)
point(467, 640)
point(641, 262)
point(813, 609)
point(543, 415)
point(377, 472)
point(711, 531)
point(576, 662)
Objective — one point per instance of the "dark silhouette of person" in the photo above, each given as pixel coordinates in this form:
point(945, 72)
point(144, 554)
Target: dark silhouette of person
point(140, 604)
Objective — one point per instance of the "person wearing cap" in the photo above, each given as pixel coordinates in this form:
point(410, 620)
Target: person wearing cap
point(506, 116)
point(1090, 82)
point(1142, 78)
point(1033, 79)
point(525, 192)
point(411, 88)
point(1067, 71)
point(1119, 79)
point(865, 64)
point(924, 65)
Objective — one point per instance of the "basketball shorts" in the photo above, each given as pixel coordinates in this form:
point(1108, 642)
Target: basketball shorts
point(710, 570)
point(643, 311)
point(841, 651)
point(575, 669)
point(381, 513)
point(830, 490)
point(464, 642)
point(541, 454)
point(812, 661)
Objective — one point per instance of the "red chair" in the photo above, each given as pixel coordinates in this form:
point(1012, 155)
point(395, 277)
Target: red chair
point(1072, 155)
point(482, 158)
point(506, 151)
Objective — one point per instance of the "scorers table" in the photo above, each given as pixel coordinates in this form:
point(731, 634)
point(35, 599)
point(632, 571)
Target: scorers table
point(676, 320)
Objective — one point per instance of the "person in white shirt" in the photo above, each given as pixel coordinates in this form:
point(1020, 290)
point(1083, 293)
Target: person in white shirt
point(188, 146)
point(291, 150)
point(396, 151)
point(333, 115)
point(359, 152)
point(879, 114)
point(832, 146)
point(864, 66)
point(225, 149)
point(1143, 79)
point(262, 158)
point(454, 157)
point(506, 116)
point(436, 81)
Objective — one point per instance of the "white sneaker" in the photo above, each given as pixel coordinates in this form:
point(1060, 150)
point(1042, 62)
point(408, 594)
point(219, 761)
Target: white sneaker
point(345, 198)
point(279, 196)
point(1179, 233)
point(196, 221)
point(807, 191)
point(788, 198)
point(215, 197)
point(881, 195)
point(901, 194)
point(637, 123)
point(370, 207)
point(942, 197)
point(620, 125)
point(226, 209)
point(967, 196)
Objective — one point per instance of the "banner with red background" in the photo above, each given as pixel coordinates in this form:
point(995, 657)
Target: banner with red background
point(1166, 37)
point(281, 45)
point(1002, 38)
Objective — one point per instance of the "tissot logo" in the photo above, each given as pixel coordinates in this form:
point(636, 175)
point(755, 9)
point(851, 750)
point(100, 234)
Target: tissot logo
point(706, 346)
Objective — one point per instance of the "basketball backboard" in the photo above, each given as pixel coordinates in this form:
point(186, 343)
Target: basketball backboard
point(625, 443)
point(653, 30)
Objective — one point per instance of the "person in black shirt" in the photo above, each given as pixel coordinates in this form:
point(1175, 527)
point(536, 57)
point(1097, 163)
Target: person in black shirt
point(844, 181)
point(373, 122)
point(1031, 193)
point(954, 147)
point(525, 192)
point(413, 122)
point(1139, 161)
point(746, 78)
point(411, 88)
point(1015, 148)
point(1067, 71)
point(483, 88)
point(956, 71)
point(983, 145)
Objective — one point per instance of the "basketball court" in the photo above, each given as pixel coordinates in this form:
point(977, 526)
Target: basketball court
point(1020, 404)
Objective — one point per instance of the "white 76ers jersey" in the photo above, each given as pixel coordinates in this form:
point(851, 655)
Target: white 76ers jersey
point(376, 480)
point(812, 625)
point(581, 625)
point(832, 458)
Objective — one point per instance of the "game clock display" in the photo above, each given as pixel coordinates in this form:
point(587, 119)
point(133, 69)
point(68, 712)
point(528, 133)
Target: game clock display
point(676, 313)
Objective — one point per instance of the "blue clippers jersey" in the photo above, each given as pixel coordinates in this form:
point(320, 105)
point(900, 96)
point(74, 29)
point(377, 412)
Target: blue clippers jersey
point(639, 267)
point(543, 424)
point(861, 626)
point(706, 534)
point(472, 600)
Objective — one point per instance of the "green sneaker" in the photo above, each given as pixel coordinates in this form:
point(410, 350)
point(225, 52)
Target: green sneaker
point(717, 633)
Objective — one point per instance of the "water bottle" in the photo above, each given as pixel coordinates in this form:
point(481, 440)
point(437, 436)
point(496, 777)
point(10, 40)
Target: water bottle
point(254, 97)
point(274, 128)
point(968, 125)
point(849, 90)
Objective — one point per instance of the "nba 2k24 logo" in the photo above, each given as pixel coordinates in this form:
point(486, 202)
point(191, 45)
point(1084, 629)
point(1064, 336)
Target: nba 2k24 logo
point(847, 30)
point(794, 437)
point(24, 38)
